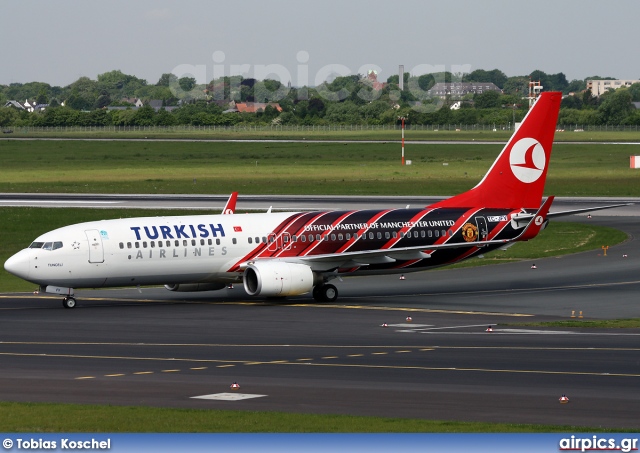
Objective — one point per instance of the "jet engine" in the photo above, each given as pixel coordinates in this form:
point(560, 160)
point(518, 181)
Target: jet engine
point(277, 278)
point(193, 287)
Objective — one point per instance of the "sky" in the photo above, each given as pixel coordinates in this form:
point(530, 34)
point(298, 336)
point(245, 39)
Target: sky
point(307, 42)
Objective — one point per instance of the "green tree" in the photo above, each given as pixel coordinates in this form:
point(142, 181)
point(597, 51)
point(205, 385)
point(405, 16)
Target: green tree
point(8, 116)
point(494, 76)
point(615, 107)
point(634, 91)
point(187, 83)
point(487, 100)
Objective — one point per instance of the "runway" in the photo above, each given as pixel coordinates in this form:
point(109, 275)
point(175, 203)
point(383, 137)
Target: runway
point(159, 348)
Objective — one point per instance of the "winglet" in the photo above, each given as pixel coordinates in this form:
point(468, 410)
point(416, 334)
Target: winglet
point(230, 207)
point(537, 223)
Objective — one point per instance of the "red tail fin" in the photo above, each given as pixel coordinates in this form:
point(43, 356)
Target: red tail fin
point(230, 207)
point(516, 179)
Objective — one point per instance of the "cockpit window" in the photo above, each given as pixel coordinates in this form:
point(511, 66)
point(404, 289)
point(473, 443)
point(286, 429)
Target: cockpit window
point(46, 245)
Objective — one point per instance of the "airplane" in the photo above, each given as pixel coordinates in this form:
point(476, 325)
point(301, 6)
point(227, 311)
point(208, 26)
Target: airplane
point(293, 253)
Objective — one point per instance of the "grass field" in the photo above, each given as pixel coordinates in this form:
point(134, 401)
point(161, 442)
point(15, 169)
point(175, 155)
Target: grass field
point(295, 168)
point(43, 418)
point(356, 133)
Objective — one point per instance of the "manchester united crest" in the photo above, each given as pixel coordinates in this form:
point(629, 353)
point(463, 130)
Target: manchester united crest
point(470, 232)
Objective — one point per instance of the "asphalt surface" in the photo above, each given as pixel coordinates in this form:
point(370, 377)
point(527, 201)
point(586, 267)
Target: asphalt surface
point(159, 348)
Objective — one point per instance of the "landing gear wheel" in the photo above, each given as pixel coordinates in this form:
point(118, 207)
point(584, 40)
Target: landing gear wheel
point(325, 293)
point(68, 302)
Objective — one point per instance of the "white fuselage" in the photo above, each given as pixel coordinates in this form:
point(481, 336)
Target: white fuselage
point(143, 251)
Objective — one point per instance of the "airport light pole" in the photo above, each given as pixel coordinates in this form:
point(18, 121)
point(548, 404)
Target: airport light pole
point(402, 118)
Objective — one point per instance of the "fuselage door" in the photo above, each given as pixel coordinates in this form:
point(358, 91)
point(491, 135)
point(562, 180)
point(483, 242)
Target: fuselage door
point(96, 250)
point(273, 246)
point(483, 231)
point(286, 241)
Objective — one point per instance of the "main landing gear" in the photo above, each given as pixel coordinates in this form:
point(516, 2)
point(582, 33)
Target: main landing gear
point(69, 302)
point(325, 293)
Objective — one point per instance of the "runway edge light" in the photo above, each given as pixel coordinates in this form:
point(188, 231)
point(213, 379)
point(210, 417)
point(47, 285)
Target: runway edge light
point(235, 386)
point(563, 399)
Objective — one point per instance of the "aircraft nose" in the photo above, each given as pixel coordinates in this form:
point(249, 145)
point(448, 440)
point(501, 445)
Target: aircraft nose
point(18, 264)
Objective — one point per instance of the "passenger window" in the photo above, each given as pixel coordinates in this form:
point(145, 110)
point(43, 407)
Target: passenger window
point(402, 235)
point(177, 243)
point(340, 237)
point(430, 233)
point(122, 245)
point(128, 245)
point(209, 241)
point(370, 235)
point(294, 238)
point(444, 233)
point(303, 238)
point(257, 240)
point(318, 237)
point(234, 241)
point(387, 235)
point(379, 235)
point(437, 233)
point(217, 241)
point(422, 234)
point(201, 241)
point(137, 245)
point(333, 237)
point(153, 244)
point(193, 242)
point(451, 233)
point(184, 242)
point(144, 244)
point(348, 236)
point(250, 240)
point(395, 235)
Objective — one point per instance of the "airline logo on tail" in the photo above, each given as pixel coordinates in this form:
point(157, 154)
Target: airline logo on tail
point(527, 160)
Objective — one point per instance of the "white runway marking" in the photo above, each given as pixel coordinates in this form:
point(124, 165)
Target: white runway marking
point(227, 396)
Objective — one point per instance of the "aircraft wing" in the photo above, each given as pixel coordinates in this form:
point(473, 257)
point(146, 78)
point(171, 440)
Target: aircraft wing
point(367, 257)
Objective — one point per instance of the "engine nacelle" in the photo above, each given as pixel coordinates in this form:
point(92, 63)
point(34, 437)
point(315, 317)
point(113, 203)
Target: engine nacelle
point(277, 278)
point(193, 287)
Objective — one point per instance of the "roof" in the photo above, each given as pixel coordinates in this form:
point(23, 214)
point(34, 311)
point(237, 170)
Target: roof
point(253, 107)
point(15, 104)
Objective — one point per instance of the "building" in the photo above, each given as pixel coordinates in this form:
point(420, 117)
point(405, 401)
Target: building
point(372, 77)
point(599, 87)
point(457, 90)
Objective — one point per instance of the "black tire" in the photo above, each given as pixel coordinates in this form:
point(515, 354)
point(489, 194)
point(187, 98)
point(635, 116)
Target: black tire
point(325, 293)
point(68, 302)
point(329, 293)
